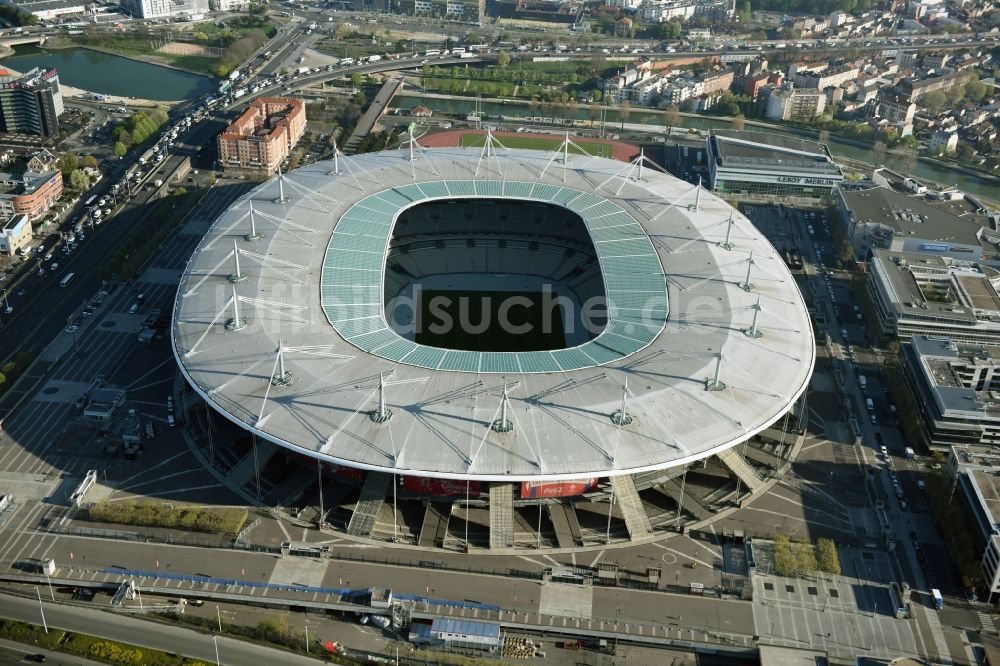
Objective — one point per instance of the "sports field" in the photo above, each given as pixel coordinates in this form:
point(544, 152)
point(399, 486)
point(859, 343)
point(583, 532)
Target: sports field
point(471, 321)
point(539, 143)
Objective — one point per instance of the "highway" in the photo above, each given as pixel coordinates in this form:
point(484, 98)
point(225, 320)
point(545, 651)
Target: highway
point(135, 631)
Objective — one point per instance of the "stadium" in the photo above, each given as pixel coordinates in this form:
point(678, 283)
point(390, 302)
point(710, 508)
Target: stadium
point(490, 349)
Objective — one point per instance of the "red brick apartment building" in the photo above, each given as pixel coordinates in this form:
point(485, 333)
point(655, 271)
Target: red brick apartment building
point(263, 136)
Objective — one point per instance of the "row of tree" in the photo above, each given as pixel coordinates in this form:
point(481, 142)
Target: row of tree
point(801, 557)
point(137, 129)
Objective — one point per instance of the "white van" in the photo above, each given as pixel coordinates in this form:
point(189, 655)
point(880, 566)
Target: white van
point(171, 421)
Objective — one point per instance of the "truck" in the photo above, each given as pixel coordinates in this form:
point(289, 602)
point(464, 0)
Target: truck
point(374, 58)
point(302, 70)
point(908, 453)
point(239, 92)
point(347, 61)
point(938, 599)
point(466, 55)
point(158, 182)
point(862, 382)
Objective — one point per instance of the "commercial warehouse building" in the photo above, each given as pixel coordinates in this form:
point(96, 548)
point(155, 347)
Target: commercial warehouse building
point(31, 103)
point(882, 218)
point(759, 163)
point(263, 136)
point(956, 388)
point(922, 294)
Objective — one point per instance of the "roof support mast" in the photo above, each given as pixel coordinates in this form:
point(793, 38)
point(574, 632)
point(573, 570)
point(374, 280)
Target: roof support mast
point(236, 324)
point(254, 235)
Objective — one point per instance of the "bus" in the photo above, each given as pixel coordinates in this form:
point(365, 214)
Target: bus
point(67, 279)
point(90, 201)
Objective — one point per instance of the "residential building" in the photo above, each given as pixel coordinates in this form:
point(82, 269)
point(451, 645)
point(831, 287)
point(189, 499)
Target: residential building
point(471, 10)
point(897, 110)
point(922, 294)
point(263, 136)
point(914, 88)
point(31, 193)
point(15, 234)
point(31, 103)
point(42, 160)
point(826, 78)
point(718, 81)
point(761, 163)
point(788, 103)
point(150, 9)
point(229, 5)
point(882, 218)
point(935, 60)
point(660, 11)
point(944, 140)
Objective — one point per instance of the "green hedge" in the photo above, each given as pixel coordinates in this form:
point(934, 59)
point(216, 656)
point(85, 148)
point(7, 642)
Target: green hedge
point(84, 645)
point(159, 514)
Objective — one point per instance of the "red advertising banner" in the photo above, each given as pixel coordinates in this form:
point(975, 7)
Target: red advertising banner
point(531, 489)
point(441, 487)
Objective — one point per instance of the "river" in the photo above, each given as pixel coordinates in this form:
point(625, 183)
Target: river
point(109, 74)
point(966, 182)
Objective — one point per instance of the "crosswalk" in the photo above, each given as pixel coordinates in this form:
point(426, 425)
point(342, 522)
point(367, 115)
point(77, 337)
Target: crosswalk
point(986, 622)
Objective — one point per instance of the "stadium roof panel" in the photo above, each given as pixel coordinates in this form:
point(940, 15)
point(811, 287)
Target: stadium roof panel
point(626, 254)
point(323, 253)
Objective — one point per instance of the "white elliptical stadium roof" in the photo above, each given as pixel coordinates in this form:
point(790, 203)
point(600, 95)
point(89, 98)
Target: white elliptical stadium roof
point(332, 231)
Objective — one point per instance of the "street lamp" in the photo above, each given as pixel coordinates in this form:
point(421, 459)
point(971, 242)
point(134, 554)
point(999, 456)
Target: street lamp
point(215, 642)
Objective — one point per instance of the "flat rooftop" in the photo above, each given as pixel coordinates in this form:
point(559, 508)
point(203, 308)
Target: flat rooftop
point(942, 359)
point(909, 215)
point(744, 149)
point(917, 282)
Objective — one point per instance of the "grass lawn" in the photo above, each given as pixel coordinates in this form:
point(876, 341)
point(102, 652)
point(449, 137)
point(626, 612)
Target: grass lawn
point(538, 143)
point(443, 308)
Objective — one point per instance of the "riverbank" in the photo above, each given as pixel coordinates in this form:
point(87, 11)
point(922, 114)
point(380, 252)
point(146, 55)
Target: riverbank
point(933, 172)
point(86, 95)
point(61, 43)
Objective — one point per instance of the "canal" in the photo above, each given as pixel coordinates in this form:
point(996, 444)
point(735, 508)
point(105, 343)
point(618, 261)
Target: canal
point(109, 74)
point(966, 182)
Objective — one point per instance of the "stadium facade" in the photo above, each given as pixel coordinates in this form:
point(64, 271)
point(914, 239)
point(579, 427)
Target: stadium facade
point(383, 316)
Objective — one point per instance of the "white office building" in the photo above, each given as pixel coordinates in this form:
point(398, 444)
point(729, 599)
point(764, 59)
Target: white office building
point(151, 9)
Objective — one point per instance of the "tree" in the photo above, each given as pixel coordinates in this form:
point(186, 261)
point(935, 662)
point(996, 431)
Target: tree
point(878, 153)
point(68, 162)
point(933, 101)
point(905, 158)
point(120, 149)
point(79, 181)
point(829, 562)
point(356, 80)
point(503, 60)
point(90, 161)
point(976, 91)
point(671, 115)
point(738, 122)
point(624, 112)
point(745, 12)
